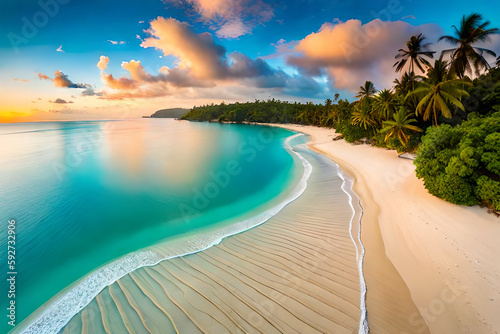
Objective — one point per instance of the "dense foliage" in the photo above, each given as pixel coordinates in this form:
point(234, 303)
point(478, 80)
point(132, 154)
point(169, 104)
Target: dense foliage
point(458, 157)
point(462, 164)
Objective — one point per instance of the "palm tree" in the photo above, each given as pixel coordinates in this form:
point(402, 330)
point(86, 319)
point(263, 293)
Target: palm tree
point(400, 126)
point(363, 115)
point(465, 57)
point(303, 117)
point(406, 84)
point(384, 103)
point(439, 72)
point(498, 62)
point(366, 91)
point(437, 98)
point(414, 54)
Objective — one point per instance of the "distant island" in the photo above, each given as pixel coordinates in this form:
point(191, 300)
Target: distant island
point(169, 113)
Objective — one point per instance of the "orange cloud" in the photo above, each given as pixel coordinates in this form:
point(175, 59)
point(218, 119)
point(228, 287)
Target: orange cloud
point(199, 55)
point(103, 63)
point(136, 70)
point(351, 52)
point(42, 76)
point(62, 80)
point(196, 52)
point(201, 63)
point(120, 83)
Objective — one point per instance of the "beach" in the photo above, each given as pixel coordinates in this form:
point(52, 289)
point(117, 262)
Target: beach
point(296, 273)
point(250, 166)
point(445, 254)
point(428, 266)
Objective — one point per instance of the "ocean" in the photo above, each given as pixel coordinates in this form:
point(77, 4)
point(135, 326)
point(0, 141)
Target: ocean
point(107, 197)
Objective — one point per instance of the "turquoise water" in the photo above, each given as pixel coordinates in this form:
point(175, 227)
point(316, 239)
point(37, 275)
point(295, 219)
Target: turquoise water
point(86, 193)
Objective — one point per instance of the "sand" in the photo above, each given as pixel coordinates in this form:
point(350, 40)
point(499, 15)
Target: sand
point(430, 266)
point(446, 254)
point(296, 273)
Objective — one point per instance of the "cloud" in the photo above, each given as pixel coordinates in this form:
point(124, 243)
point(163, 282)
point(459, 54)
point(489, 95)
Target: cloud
point(197, 52)
point(351, 52)
point(143, 84)
point(116, 42)
point(233, 29)
point(103, 63)
point(61, 101)
point(283, 48)
point(59, 49)
point(230, 18)
point(89, 91)
point(61, 80)
point(200, 63)
point(42, 76)
point(199, 55)
point(141, 21)
point(120, 83)
point(23, 80)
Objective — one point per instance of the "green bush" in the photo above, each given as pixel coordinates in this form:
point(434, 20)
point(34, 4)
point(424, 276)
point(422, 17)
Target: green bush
point(462, 164)
point(352, 133)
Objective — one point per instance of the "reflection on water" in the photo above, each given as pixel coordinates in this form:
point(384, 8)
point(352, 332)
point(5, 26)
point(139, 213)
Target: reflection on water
point(85, 193)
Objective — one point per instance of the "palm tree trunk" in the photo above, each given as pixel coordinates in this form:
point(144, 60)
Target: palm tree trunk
point(411, 71)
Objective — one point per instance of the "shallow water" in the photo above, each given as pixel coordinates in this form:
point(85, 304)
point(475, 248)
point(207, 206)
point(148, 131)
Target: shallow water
point(86, 193)
point(297, 273)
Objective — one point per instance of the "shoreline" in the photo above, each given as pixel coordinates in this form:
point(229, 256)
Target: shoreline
point(64, 302)
point(454, 286)
point(298, 273)
point(418, 266)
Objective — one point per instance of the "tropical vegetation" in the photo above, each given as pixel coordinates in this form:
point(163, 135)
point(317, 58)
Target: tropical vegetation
point(450, 120)
point(462, 164)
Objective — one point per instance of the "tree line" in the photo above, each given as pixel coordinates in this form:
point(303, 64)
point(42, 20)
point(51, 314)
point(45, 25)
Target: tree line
point(451, 121)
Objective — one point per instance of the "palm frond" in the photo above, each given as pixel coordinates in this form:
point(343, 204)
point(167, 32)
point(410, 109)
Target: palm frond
point(449, 39)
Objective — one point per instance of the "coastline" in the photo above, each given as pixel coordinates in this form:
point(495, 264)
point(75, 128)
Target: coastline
point(60, 309)
point(298, 273)
point(444, 254)
point(408, 277)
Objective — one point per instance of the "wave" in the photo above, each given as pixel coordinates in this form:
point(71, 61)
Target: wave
point(58, 313)
point(360, 252)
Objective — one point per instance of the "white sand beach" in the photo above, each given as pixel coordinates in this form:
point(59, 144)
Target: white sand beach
point(446, 254)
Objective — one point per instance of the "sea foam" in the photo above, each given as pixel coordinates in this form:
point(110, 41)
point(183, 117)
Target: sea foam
point(360, 251)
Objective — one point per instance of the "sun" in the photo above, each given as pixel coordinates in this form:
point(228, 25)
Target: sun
point(14, 116)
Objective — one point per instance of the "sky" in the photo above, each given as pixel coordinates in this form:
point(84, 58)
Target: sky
point(81, 60)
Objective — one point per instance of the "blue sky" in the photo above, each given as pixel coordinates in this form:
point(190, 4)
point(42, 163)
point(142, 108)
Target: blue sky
point(278, 44)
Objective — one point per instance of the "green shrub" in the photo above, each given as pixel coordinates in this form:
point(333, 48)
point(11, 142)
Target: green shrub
point(462, 164)
point(352, 133)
